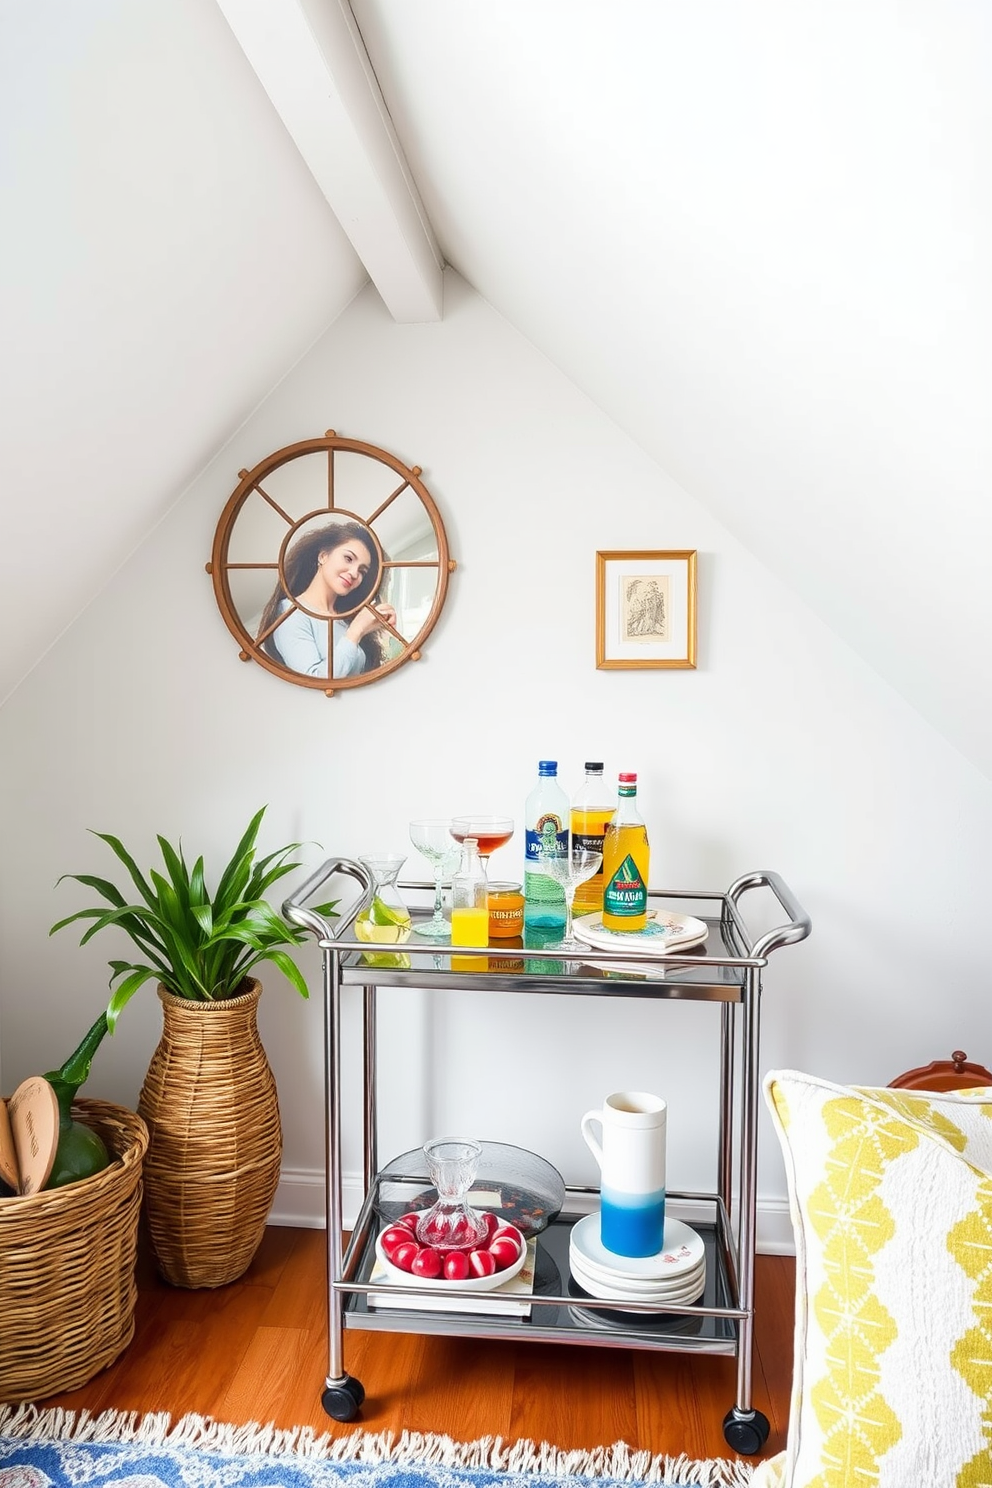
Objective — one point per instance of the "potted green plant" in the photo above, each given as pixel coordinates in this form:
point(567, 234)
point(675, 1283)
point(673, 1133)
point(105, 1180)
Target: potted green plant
point(209, 1097)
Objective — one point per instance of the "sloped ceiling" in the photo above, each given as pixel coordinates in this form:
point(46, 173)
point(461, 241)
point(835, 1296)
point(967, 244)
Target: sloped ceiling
point(166, 257)
point(756, 232)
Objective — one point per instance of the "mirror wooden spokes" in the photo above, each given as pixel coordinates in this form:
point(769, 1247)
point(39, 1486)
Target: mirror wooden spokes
point(327, 571)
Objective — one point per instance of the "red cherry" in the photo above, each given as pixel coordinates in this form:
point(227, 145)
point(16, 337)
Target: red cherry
point(455, 1266)
point(410, 1221)
point(428, 1263)
point(405, 1255)
point(506, 1232)
point(481, 1263)
point(492, 1223)
point(394, 1237)
point(504, 1252)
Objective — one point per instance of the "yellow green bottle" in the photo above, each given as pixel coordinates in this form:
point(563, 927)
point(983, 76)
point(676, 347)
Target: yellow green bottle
point(81, 1152)
point(626, 861)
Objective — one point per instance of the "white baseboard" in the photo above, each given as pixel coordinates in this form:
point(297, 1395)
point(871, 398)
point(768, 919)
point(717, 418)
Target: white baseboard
point(300, 1204)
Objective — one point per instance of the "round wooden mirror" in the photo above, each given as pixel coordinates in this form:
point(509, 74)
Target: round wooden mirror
point(328, 570)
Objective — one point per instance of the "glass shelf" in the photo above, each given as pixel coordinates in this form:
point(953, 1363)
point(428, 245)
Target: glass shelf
point(712, 972)
point(571, 1319)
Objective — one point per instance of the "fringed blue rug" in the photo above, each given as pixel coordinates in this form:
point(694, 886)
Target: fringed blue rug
point(59, 1449)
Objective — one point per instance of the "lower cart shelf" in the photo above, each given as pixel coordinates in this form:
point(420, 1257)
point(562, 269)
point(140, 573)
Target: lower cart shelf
point(561, 1311)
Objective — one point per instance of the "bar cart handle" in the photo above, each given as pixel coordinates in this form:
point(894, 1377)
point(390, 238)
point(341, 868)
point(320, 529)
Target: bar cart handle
point(799, 925)
point(296, 913)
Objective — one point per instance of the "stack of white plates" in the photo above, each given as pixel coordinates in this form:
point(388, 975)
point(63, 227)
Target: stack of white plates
point(664, 932)
point(675, 1276)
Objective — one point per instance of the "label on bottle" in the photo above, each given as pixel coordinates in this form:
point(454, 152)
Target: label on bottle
point(544, 897)
point(592, 841)
point(533, 835)
point(626, 893)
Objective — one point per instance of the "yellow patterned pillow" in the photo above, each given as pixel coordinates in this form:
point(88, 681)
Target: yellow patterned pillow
point(891, 1200)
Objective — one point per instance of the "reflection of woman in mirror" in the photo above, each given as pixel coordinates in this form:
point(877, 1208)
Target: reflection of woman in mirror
point(331, 569)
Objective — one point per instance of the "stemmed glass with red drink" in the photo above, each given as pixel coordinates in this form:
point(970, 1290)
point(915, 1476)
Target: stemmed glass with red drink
point(490, 832)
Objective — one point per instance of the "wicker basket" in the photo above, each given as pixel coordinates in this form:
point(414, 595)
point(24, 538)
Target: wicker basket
point(67, 1267)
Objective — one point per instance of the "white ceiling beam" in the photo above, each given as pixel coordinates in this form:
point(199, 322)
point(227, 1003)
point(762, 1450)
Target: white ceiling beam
point(311, 60)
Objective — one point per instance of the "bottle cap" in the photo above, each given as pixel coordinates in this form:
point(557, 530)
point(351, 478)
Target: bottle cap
point(594, 765)
point(547, 767)
point(631, 778)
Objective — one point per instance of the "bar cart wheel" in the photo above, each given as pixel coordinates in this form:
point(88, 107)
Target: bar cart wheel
point(343, 1401)
point(746, 1432)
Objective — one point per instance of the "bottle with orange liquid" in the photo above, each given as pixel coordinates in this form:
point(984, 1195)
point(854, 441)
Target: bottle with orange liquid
point(590, 815)
point(626, 860)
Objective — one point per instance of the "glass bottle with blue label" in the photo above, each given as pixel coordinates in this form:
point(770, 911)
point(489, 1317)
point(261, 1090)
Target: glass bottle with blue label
point(547, 810)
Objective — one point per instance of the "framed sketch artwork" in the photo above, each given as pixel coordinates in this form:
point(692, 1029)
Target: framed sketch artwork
point(646, 609)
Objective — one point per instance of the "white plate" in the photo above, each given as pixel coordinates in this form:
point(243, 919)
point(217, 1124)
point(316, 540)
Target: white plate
point(646, 1288)
point(663, 934)
point(682, 1251)
point(610, 1321)
point(470, 1284)
point(673, 1270)
point(686, 1291)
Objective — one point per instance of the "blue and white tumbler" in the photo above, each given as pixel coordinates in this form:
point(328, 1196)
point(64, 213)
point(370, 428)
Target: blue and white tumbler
point(632, 1166)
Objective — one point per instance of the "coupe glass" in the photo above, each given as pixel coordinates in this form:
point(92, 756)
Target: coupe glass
point(569, 868)
point(490, 832)
point(431, 836)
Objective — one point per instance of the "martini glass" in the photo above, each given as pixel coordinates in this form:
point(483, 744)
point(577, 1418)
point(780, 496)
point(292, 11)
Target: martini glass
point(431, 836)
point(490, 832)
point(569, 868)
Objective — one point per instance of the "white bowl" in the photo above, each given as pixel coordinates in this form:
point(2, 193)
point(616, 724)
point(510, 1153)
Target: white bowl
point(470, 1284)
point(682, 1251)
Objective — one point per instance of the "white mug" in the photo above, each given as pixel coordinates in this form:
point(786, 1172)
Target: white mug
point(632, 1167)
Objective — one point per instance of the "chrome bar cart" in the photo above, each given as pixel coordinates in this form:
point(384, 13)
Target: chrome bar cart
point(726, 972)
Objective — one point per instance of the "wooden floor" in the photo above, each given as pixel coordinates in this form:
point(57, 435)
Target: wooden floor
point(257, 1351)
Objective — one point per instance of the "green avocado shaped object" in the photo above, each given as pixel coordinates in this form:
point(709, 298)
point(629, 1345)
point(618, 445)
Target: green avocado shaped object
point(81, 1152)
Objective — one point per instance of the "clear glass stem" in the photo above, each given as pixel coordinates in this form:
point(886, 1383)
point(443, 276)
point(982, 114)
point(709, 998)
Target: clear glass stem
point(437, 927)
point(569, 893)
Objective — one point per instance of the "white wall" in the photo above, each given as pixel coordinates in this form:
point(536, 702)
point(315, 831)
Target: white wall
point(166, 253)
point(781, 750)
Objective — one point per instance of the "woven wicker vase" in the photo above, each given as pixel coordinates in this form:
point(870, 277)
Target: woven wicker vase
point(214, 1139)
point(67, 1267)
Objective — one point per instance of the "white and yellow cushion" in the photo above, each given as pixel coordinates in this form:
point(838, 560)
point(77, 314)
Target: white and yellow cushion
point(891, 1200)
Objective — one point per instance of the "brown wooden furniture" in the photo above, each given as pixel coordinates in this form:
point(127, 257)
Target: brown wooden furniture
point(956, 1073)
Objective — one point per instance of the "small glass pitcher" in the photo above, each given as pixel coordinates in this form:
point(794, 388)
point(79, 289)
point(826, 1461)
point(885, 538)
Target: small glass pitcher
point(386, 920)
point(451, 1223)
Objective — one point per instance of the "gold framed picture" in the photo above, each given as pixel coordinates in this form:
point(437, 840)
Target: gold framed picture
point(646, 609)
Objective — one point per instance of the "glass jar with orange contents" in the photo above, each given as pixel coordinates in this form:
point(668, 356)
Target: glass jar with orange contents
point(506, 911)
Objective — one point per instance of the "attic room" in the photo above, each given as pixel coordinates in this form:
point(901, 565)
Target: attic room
point(642, 277)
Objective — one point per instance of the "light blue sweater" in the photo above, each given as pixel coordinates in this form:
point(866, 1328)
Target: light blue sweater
point(302, 643)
